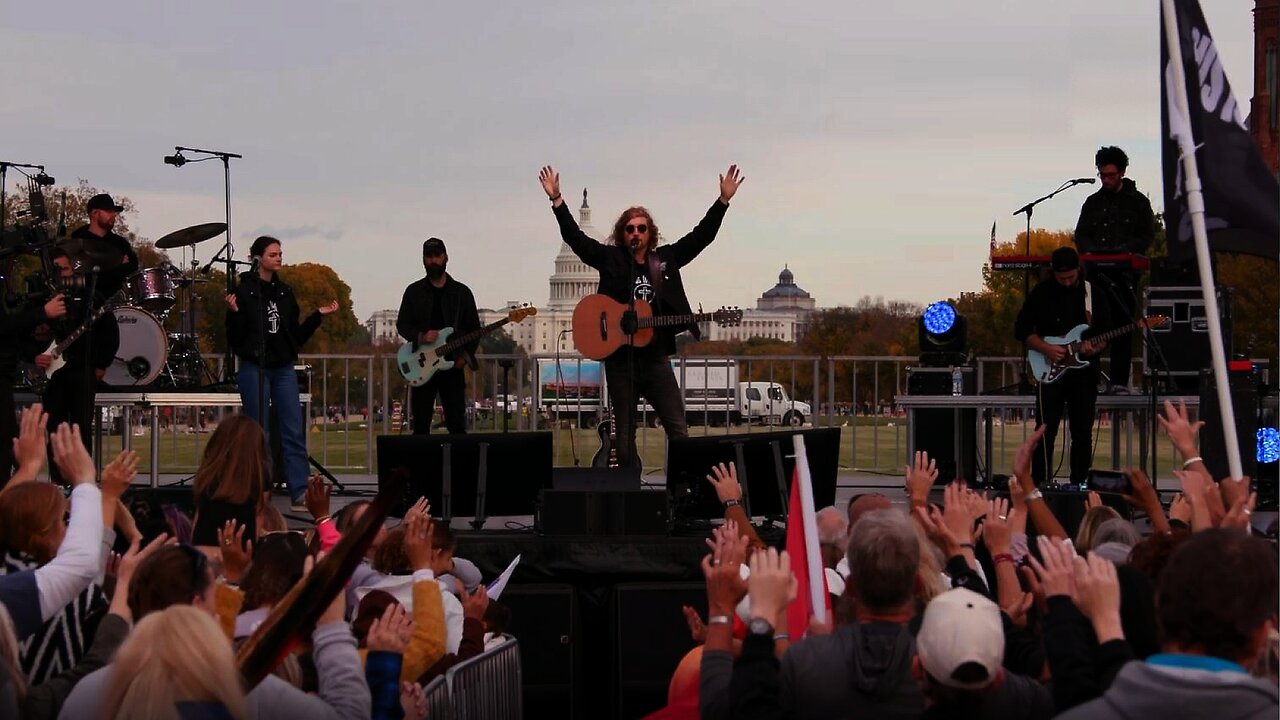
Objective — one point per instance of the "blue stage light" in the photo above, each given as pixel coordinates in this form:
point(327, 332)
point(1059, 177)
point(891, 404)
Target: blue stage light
point(939, 318)
point(1268, 445)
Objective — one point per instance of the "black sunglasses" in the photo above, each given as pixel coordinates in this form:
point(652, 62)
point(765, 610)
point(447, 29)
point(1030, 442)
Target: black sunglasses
point(641, 228)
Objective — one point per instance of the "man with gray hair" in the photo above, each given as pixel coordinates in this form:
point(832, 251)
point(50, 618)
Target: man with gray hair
point(863, 668)
point(833, 531)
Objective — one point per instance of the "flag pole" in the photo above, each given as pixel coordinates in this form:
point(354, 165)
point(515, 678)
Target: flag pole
point(1195, 207)
point(813, 557)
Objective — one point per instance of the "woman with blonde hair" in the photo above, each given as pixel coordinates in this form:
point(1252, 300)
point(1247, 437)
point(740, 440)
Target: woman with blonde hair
point(156, 675)
point(1094, 517)
point(234, 474)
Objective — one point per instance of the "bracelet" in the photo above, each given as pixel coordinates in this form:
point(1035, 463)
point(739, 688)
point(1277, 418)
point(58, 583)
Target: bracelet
point(322, 520)
point(731, 502)
point(782, 636)
point(228, 583)
point(1191, 461)
point(1002, 557)
point(557, 197)
point(1034, 495)
point(965, 545)
point(719, 620)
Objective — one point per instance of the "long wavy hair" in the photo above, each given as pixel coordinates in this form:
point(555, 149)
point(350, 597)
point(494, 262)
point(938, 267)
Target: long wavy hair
point(619, 235)
point(10, 664)
point(176, 655)
point(235, 466)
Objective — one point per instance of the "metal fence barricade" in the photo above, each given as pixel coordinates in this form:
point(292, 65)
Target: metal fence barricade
point(437, 693)
point(488, 686)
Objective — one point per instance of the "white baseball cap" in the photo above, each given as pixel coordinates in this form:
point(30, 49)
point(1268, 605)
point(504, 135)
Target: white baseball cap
point(961, 640)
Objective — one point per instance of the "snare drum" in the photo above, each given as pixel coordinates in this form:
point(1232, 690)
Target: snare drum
point(143, 349)
point(152, 289)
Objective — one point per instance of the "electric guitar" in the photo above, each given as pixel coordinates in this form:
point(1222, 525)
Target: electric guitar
point(607, 455)
point(419, 361)
point(38, 377)
point(598, 329)
point(1047, 372)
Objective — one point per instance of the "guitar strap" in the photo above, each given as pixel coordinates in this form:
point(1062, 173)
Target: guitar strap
point(655, 276)
point(1088, 302)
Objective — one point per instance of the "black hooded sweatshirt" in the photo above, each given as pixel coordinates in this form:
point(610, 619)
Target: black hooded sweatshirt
point(283, 331)
point(1119, 221)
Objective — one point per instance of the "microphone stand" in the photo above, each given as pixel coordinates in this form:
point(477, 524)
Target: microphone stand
point(1026, 274)
point(91, 416)
point(229, 358)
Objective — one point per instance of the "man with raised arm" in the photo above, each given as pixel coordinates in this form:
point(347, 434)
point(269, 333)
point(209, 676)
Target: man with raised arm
point(633, 267)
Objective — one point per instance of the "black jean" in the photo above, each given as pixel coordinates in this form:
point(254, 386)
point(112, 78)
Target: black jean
point(655, 381)
point(1075, 394)
point(1116, 289)
point(68, 398)
point(451, 386)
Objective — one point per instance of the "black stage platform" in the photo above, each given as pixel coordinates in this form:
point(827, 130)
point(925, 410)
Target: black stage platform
point(598, 618)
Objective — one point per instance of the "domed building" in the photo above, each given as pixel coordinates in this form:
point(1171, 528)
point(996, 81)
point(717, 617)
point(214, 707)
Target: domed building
point(781, 313)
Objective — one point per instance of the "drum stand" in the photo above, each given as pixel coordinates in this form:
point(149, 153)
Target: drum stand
point(185, 367)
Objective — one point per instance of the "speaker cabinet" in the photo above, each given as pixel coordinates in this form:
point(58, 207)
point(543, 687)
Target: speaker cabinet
point(949, 436)
point(650, 638)
point(544, 618)
point(1184, 341)
point(624, 512)
point(1244, 403)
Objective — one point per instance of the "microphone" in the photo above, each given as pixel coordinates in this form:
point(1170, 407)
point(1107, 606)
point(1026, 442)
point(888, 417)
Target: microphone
point(175, 160)
point(1077, 181)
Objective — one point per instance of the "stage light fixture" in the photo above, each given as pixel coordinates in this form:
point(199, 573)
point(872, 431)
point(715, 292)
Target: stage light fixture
point(1268, 445)
point(943, 340)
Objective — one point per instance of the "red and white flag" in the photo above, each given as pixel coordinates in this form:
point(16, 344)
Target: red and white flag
point(806, 554)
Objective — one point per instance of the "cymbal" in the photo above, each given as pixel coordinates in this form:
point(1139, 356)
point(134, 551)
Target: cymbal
point(191, 235)
point(91, 253)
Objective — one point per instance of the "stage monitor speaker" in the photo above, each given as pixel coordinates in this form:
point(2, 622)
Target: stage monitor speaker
point(935, 430)
point(651, 638)
point(594, 478)
point(476, 475)
point(1184, 341)
point(764, 460)
point(544, 618)
point(1244, 403)
point(610, 512)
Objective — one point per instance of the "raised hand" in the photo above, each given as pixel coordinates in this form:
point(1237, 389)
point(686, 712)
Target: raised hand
point(1098, 596)
point(317, 497)
point(997, 528)
point(391, 632)
point(725, 586)
point(236, 551)
point(724, 478)
point(413, 701)
point(697, 628)
point(920, 477)
point(70, 455)
point(1182, 432)
point(1056, 567)
point(1241, 511)
point(474, 604)
point(1092, 500)
point(729, 183)
point(417, 541)
point(1022, 459)
point(1180, 509)
point(231, 303)
point(771, 586)
point(118, 474)
point(29, 449)
point(550, 180)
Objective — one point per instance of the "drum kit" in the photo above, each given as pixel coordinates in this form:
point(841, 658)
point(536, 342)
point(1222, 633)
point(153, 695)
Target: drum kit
point(148, 355)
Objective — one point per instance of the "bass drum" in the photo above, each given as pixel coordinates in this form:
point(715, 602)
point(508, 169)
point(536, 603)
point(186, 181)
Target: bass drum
point(143, 349)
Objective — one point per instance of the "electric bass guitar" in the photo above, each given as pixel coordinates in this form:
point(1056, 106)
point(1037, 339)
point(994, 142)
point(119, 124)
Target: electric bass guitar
point(419, 361)
point(599, 330)
point(1045, 371)
point(38, 377)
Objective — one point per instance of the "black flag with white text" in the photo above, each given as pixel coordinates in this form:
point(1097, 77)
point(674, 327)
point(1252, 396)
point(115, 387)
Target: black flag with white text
point(1241, 196)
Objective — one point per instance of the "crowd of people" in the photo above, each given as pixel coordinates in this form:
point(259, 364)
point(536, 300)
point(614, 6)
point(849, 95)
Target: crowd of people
point(985, 606)
point(981, 606)
point(111, 609)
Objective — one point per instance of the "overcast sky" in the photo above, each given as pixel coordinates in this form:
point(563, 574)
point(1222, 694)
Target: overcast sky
point(879, 139)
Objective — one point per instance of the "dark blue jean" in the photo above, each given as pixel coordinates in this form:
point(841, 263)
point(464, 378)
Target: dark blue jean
point(281, 392)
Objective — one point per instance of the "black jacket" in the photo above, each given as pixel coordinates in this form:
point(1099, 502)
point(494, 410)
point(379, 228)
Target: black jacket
point(618, 268)
point(242, 327)
point(459, 311)
point(112, 276)
point(1119, 221)
point(1053, 310)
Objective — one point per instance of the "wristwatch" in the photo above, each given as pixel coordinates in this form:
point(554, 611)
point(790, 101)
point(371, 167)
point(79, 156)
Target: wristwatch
point(1034, 495)
point(731, 502)
point(760, 626)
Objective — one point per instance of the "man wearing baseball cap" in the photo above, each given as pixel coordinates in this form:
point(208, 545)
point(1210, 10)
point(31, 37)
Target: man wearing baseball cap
point(1052, 309)
point(430, 305)
point(69, 395)
point(959, 663)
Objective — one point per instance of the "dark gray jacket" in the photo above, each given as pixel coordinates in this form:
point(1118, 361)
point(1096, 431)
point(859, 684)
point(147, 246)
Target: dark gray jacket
point(1142, 690)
